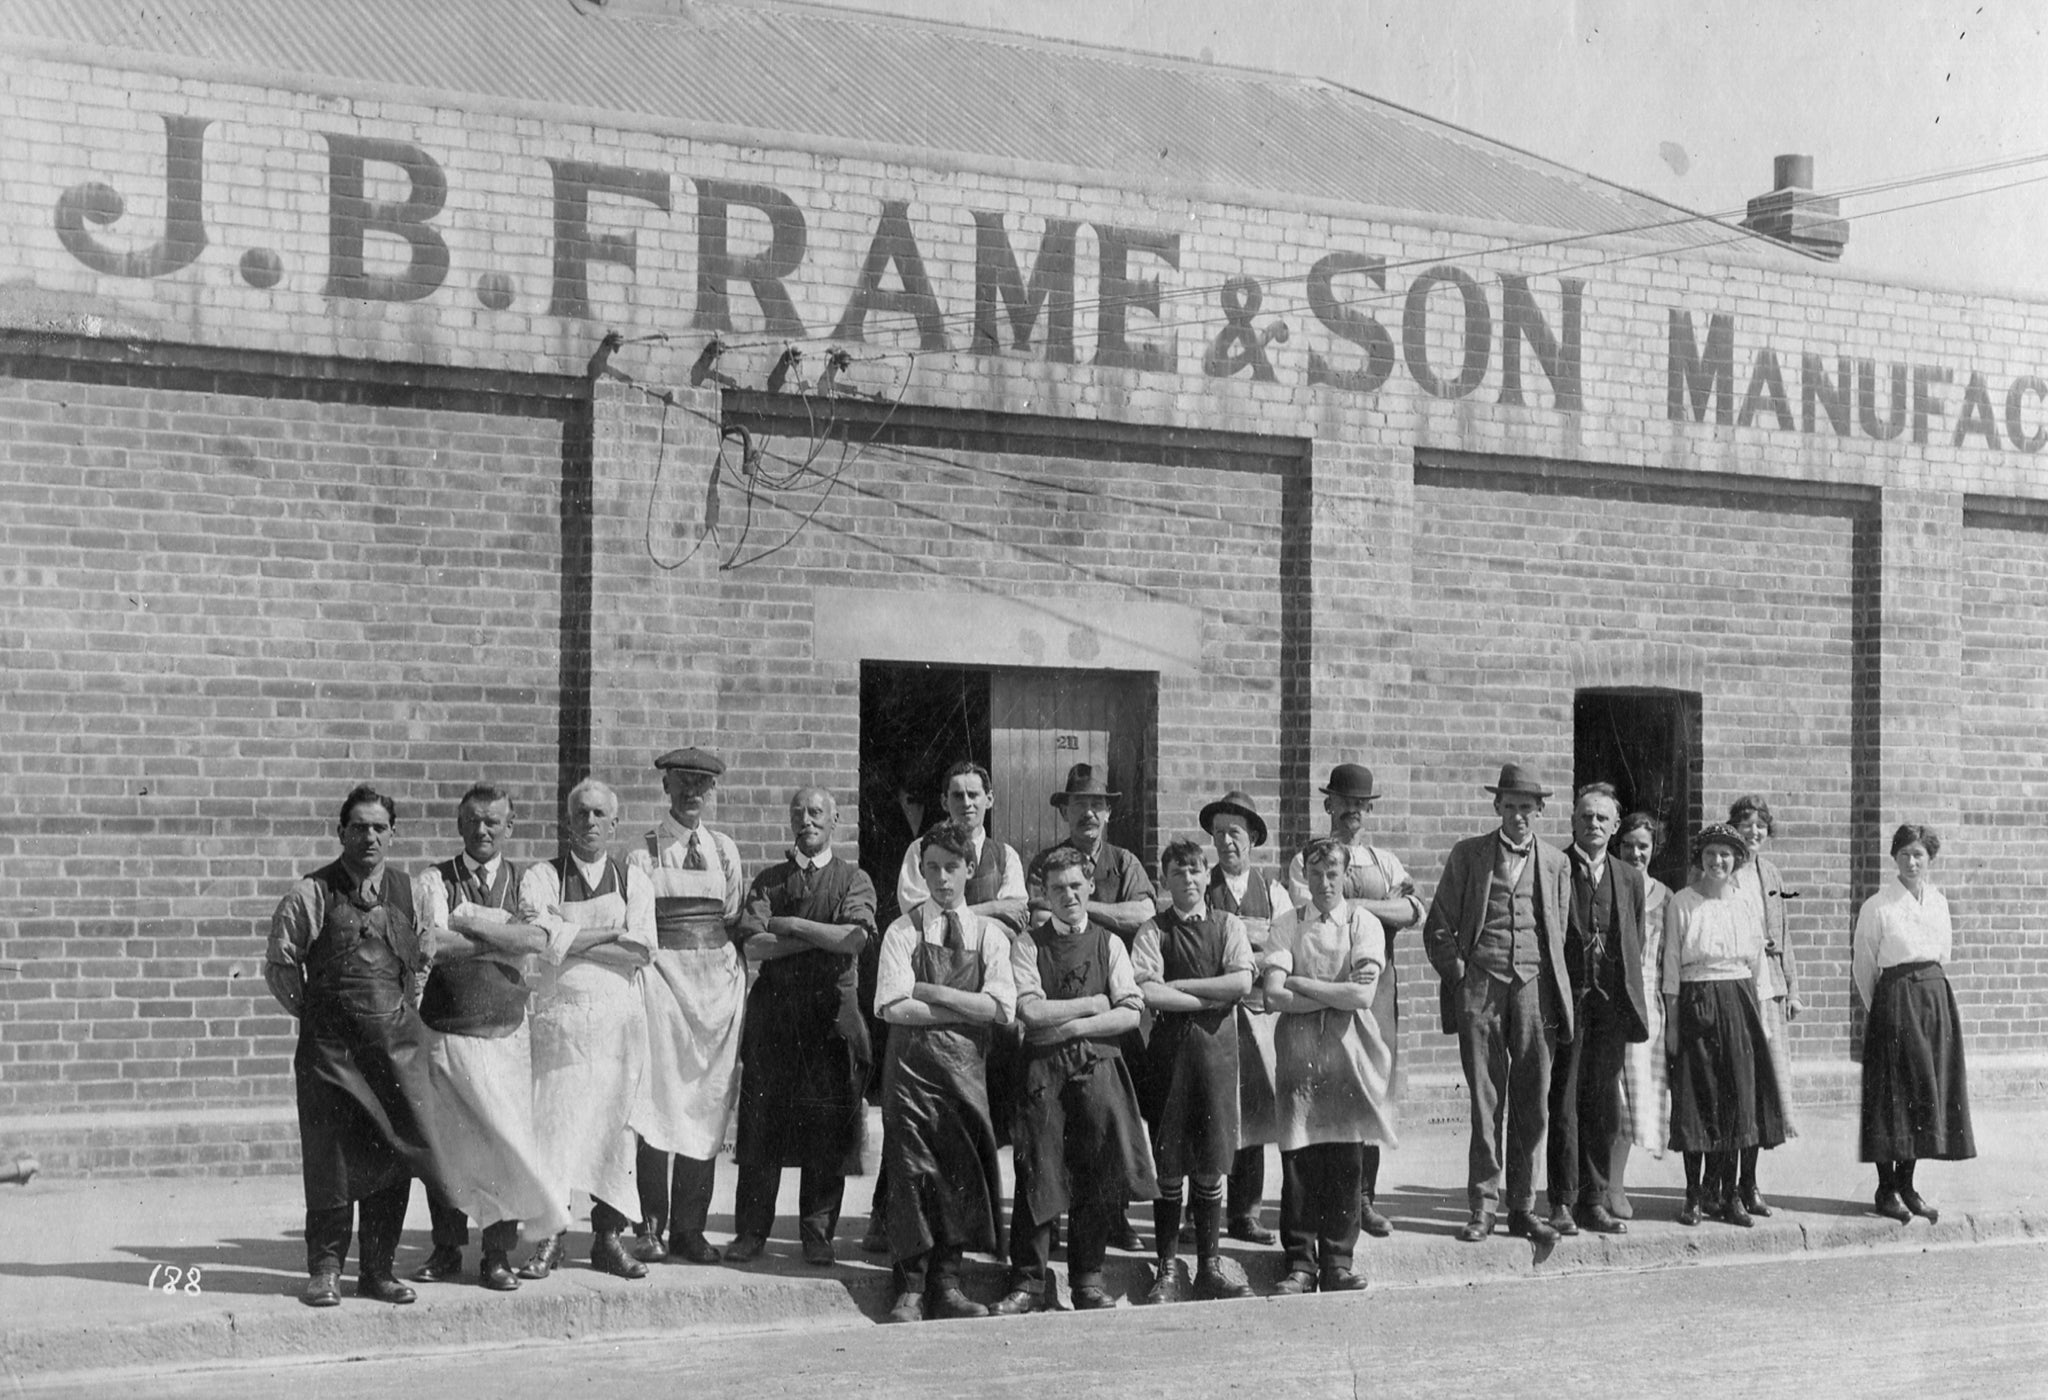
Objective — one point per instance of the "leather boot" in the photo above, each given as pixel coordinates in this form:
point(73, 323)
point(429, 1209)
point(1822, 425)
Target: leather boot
point(608, 1256)
point(546, 1255)
point(323, 1289)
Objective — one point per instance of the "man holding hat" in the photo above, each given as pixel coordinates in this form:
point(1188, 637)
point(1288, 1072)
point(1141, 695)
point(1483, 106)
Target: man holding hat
point(1123, 898)
point(1496, 937)
point(1236, 829)
point(1378, 883)
point(696, 989)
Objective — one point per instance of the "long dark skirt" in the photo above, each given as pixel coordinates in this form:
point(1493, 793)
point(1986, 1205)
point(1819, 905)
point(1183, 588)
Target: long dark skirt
point(1723, 1094)
point(1916, 1098)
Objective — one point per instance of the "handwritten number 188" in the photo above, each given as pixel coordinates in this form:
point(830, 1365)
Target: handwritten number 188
point(174, 1276)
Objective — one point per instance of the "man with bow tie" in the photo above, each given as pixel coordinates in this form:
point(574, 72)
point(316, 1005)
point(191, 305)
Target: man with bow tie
point(1496, 937)
point(804, 1051)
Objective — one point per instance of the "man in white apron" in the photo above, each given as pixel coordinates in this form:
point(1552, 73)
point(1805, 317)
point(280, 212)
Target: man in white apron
point(695, 990)
point(481, 1065)
point(589, 1024)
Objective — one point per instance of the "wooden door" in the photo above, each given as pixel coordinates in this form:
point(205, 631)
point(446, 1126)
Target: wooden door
point(1041, 723)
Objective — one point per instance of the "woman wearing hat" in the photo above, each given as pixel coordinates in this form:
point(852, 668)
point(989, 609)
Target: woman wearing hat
point(1724, 1098)
point(1916, 1098)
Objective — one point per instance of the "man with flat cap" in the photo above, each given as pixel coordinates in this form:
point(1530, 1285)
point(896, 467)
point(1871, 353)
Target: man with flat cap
point(1378, 883)
point(804, 1050)
point(696, 991)
point(1236, 829)
point(1496, 937)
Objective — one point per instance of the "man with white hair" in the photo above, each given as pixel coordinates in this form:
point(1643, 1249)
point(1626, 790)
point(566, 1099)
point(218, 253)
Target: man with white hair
point(589, 1023)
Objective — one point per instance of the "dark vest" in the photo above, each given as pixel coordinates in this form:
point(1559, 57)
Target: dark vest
point(574, 891)
point(1508, 948)
point(477, 996)
point(1590, 945)
point(986, 883)
point(362, 936)
point(1256, 904)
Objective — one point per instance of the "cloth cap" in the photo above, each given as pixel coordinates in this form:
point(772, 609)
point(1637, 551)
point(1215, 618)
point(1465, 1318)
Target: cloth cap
point(692, 760)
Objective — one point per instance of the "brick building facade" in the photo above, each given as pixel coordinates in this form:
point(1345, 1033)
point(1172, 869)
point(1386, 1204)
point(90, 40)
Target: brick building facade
point(1219, 465)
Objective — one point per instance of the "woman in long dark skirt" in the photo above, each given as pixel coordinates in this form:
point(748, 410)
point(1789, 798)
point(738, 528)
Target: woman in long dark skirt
point(1724, 1097)
point(1916, 1099)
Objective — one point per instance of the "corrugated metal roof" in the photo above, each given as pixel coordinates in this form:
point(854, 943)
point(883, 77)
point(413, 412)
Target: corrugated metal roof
point(803, 71)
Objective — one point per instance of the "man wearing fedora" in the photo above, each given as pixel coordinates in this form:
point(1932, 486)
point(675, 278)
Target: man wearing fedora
point(1236, 829)
point(1378, 883)
point(1496, 937)
point(1123, 898)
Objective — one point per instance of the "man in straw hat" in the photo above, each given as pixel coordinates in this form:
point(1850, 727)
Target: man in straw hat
point(1495, 935)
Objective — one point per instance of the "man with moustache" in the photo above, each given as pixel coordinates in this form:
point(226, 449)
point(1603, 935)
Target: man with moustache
point(344, 958)
point(484, 963)
point(696, 990)
point(1378, 883)
point(1603, 948)
point(1495, 935)
point(804, 1049)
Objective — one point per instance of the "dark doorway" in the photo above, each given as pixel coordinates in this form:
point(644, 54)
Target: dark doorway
point(916, 721)
point(1646, 742)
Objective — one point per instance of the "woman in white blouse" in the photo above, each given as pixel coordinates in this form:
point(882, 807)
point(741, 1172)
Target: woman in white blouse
point(1642, 1075)
point(1916, 1100)
point(1724, 1098)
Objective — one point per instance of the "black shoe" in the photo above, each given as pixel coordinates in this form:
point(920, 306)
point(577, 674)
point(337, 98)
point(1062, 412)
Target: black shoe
point(1298, 1281)
point(1892, 1208)
point(1562, 1222)
point(1528, 1225)
point(1690, 1213)
point(1123, 1236)
point(692, 1248)
point(1090, 1297)
point(1211, 1282)
point(1371, 1221)
point(1017, 1302)
point(909, 1307)
point(876, 1240)
point(745, 1249)
point(1753, 1201)
point(542, 1262)
point(950, 1305)
point(1165, 1284)
point(1248, 1229)
point(322, 1290)
point(608, 1256)
point(1733, 1212)
point(1601, 1221)
point(648, 1247)
point(1340, 1281)
point(1477, 1228)
point(444, 1265)
point(496, 1274)
point(1910, 1199)
point(820, 1254)
point(383, 1288)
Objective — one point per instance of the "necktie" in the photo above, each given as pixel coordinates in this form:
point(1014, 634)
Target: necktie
point(693, 859)
point(956, 937)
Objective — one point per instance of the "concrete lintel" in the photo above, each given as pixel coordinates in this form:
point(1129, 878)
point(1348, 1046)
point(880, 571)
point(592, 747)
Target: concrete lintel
point(958, 627)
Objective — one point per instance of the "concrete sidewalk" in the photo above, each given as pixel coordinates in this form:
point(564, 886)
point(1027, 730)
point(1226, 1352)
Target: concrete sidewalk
point(78, 1260)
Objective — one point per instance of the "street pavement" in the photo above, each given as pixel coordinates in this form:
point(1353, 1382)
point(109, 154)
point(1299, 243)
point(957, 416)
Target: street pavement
point(86, 1282)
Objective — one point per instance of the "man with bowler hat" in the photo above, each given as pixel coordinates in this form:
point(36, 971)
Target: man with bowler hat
point(1496, 937)
point(1236, 829)
point(1378, 883)
point(696, 989)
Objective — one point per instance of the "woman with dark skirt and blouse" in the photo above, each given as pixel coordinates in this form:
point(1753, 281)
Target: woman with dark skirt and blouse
point(1916, 1101)
point(1777, 1004)
point(1724, 1097)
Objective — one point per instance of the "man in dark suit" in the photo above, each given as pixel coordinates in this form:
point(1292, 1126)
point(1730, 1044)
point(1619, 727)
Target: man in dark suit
point(1495, 935)
point(1603, 949)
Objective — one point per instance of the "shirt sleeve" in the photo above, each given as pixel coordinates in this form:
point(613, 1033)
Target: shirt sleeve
point(998, 969)
point(858, 908)
point(293, 926)
point(1123, 987)
point(430, 899)
point(1863, 954)
point(911, 889)
point(540, 901)
point(1281, 895)
point(735, 882)
point(1237, 948)
point(1296, 880)
point(1148, 963)
point(1279, 951)
point(1024, 970)
point(1368, 940)
point(1132, 881)
point(1674, 935)
point(893, 979)
point(1013, 873)
point(640, 908)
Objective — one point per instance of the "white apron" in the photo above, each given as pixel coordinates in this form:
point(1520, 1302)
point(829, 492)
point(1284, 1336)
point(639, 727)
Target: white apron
point(483, 1114)
point(589, 1061)
point(694, 997)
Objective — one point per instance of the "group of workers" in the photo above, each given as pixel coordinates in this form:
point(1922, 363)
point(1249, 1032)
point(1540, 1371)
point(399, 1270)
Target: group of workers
point(595, 1022)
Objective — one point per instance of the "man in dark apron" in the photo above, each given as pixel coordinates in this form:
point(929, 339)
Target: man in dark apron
point(1081, 1146)
point(804, 1049)
point(344, 959)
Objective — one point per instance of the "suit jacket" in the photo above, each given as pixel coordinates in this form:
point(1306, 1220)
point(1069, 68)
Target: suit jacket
point(1630, 895)
point(1459, 910)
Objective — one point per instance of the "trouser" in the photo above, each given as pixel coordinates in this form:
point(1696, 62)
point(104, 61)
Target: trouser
point(1088, 1217)
point(607, 1219)
point(934, 1271)
point(1204, 1209)
point(819, 1195)
point(1319, 1205)
point(1369, 1172)
point(382, 1214)
point(1247, 1182)
point(1585, 1105)
point(451, 1230)
point(673, 1197)
point(1505, 1040)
